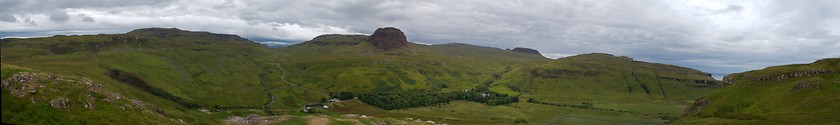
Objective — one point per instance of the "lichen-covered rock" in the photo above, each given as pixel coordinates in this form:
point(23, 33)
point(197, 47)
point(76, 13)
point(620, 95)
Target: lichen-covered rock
point(60, 103)
point(22, 84)
point(805, 85)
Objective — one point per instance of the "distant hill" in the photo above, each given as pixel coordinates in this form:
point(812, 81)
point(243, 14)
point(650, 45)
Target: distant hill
point(606, 77)
point(788, 94)
point(608, 82)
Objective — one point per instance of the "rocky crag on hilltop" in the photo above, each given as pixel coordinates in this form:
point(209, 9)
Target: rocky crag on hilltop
point(388, 38)
point(526, 50)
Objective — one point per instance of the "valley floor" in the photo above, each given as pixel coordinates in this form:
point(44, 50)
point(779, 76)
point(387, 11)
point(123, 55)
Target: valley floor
point(465, 112)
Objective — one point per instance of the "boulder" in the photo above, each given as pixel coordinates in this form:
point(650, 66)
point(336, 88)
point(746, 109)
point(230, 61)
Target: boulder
point(60, 103)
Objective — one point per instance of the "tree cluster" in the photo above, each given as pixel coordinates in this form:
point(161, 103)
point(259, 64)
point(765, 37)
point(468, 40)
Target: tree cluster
point(343, 95)
point(408, 99)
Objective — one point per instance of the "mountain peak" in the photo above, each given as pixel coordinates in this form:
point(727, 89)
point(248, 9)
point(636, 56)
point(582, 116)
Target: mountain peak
point(388, 38)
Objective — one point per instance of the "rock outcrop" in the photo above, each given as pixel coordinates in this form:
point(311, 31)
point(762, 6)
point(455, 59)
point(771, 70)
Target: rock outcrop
point(71, 94)
point(337, 40)
point(710, 83)
point(806, 85)
point(729, 79)
point(526, 50)
point(159, 32)
point(60, 103)
point(697, 106)
point(175, 32)
point(388, 38)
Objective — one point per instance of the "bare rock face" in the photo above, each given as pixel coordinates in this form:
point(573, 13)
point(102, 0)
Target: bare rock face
point(388, 38)
point(526, 50)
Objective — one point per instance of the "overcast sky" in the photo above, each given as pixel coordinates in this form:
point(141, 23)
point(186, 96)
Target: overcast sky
point(718, 37)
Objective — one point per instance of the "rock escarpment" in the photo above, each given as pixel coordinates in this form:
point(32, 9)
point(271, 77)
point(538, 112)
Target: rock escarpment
point(779, 76)
point(337, 40)
point(526, 50)
point(388, 38)
point(175, 32)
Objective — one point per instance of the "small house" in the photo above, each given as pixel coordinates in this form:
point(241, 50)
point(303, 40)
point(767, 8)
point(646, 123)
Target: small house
point(310, 107)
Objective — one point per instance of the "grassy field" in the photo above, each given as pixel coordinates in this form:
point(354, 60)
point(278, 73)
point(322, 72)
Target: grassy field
point(465, 112)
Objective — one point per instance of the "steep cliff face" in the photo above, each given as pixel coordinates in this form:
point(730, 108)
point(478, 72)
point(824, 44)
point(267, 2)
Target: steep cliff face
point(388, 38)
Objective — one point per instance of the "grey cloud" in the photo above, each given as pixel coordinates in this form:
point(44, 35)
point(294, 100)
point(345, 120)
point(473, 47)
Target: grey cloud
point(29, 22)
point(50, 5)
point(731, 8)
point(8, 18)
point(59, 17)
point(86, 18)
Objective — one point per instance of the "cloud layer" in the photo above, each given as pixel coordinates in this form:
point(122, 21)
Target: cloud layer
point(715, 36)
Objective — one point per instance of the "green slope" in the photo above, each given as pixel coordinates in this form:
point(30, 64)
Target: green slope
point(33, 97)
point(183, 72)
point(179, 70)
point(336, 63)
point(789, 94)
point(609, 82)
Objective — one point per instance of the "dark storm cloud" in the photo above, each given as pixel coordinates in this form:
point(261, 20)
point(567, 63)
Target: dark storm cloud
point(714, 36)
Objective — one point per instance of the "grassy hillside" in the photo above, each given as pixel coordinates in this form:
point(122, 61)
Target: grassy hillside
point(34, 97)
point(642, 90)
point(607, 81)
point(336, 63)
point(789, 94)
point(178, 70)
point(203, 78)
